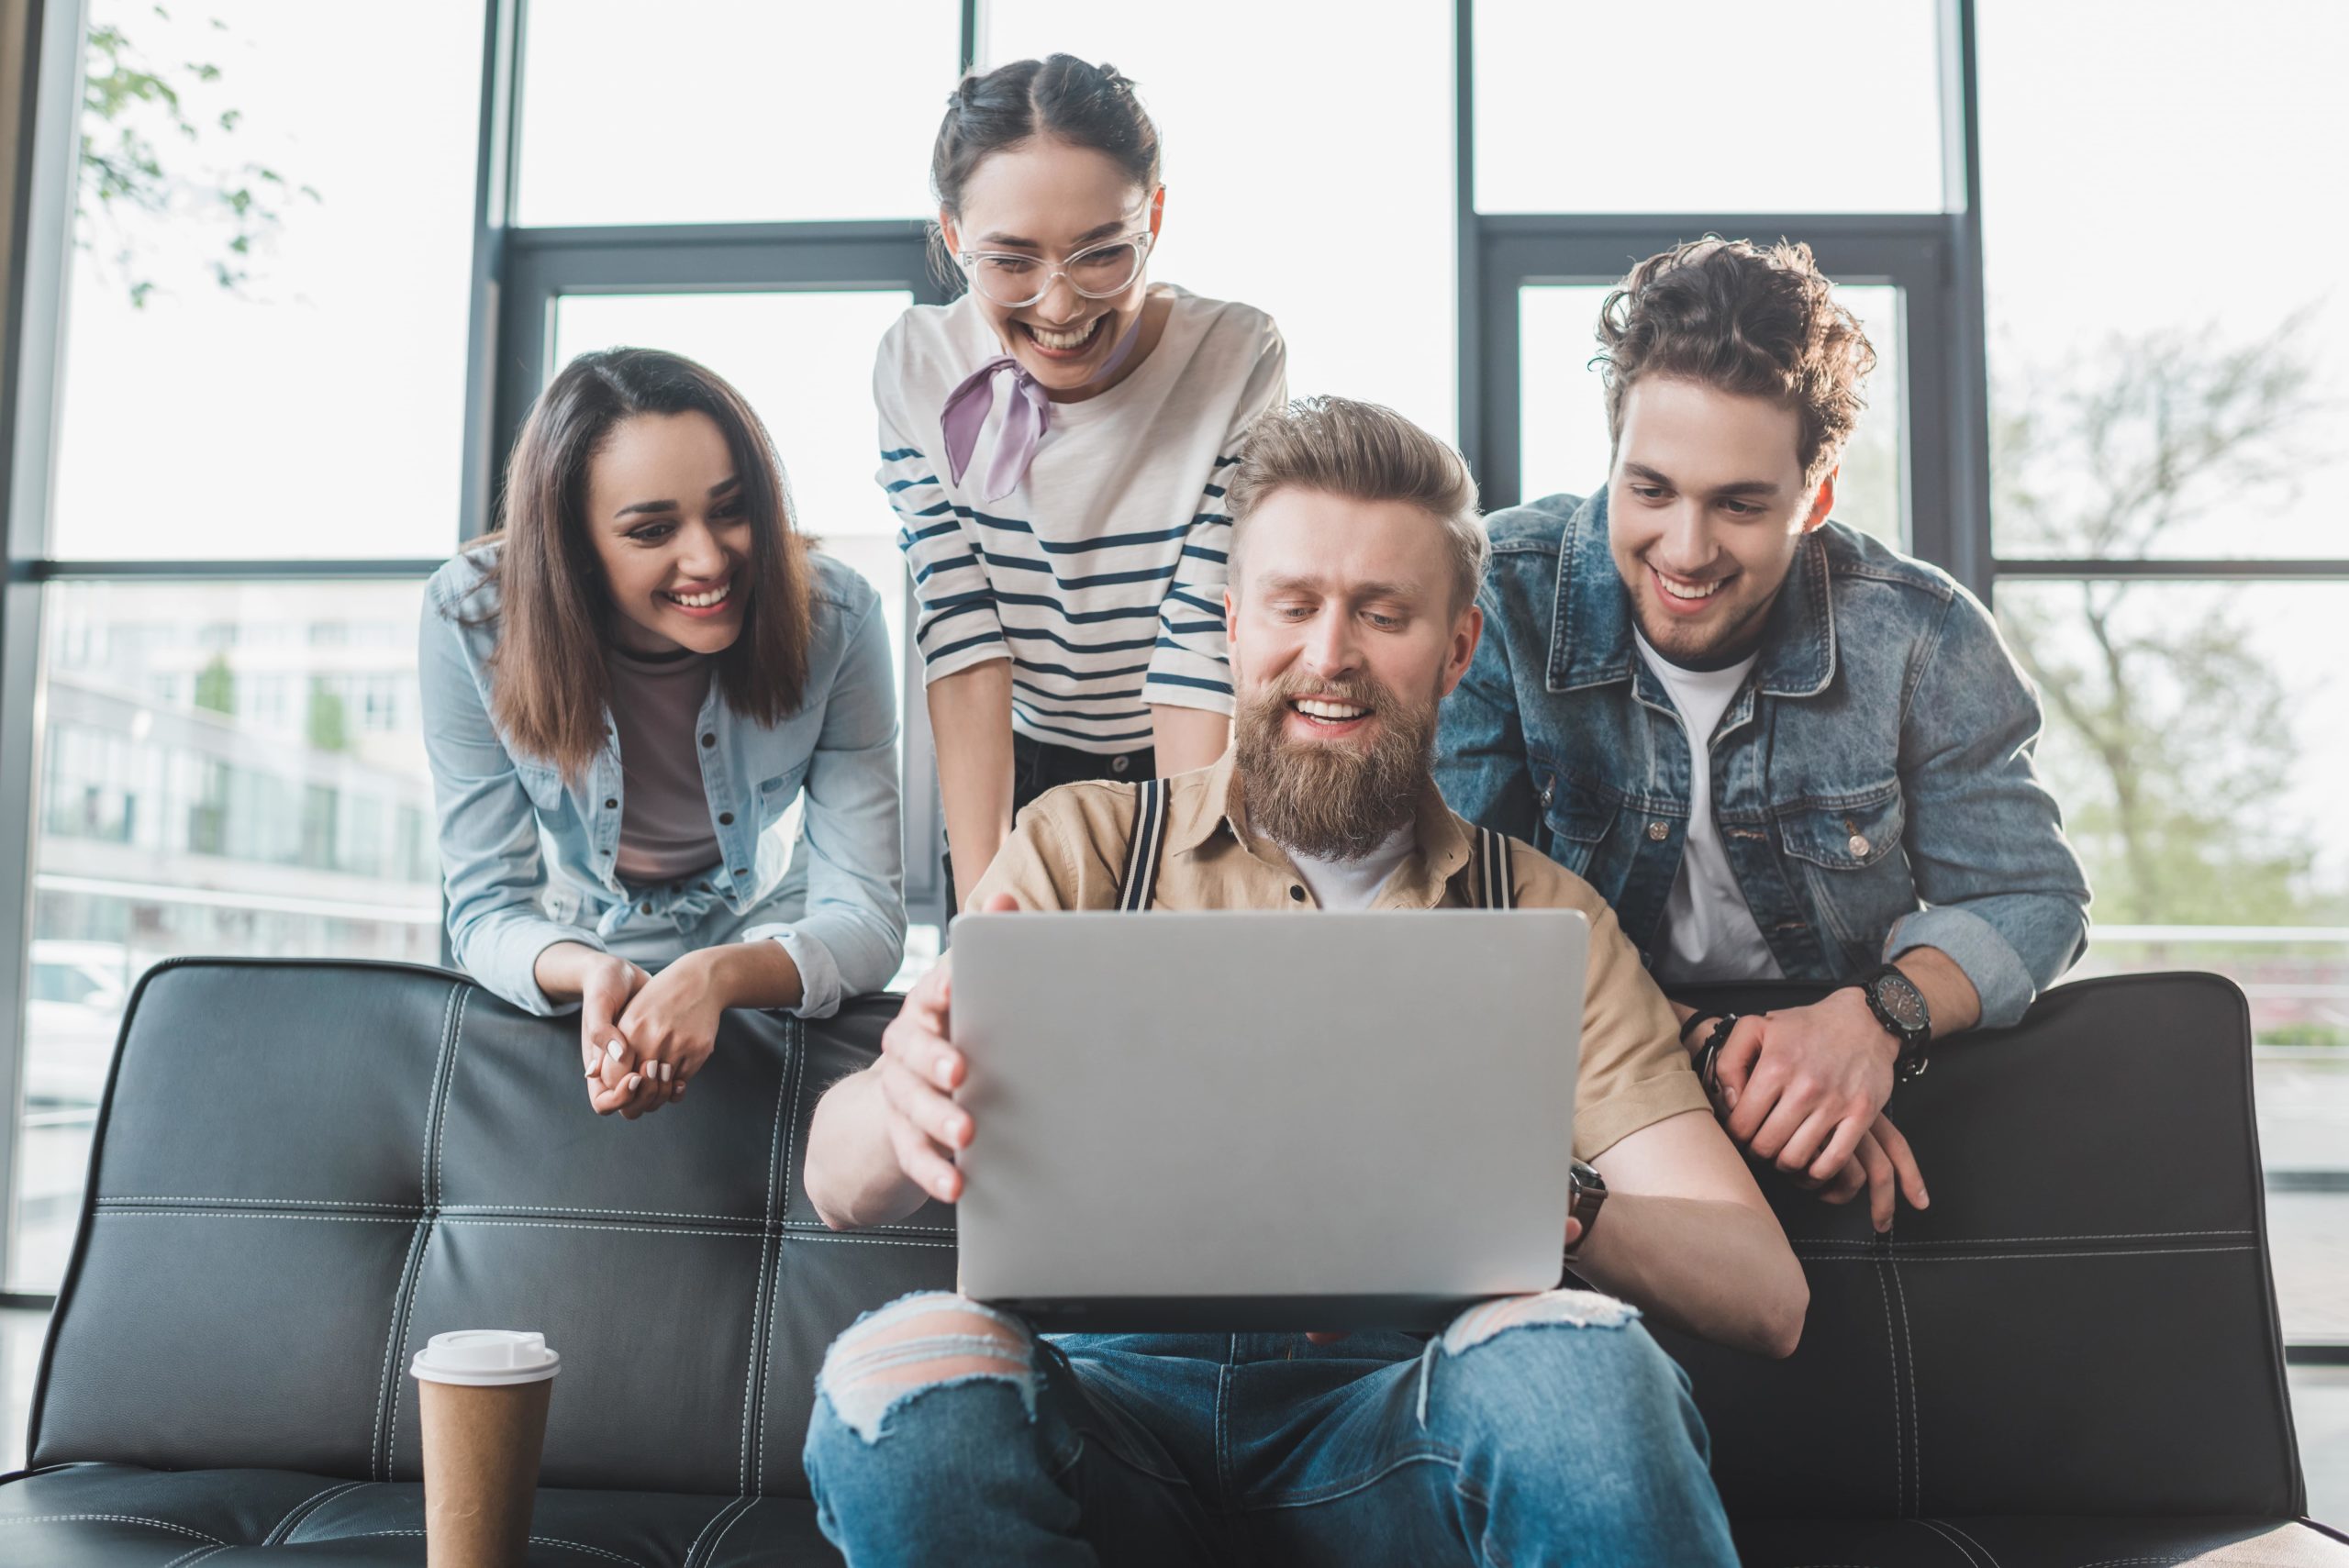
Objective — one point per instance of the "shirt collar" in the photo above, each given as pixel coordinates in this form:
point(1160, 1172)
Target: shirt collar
point(1590, 638)
point(1219, 804)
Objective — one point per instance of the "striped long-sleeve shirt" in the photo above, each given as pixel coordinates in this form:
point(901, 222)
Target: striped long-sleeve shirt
point(1100, 576)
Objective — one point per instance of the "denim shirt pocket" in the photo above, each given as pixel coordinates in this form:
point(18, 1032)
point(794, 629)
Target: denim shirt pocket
point(775, 795)
point(542, 784)
point(1848, 847)
point(1578, 816)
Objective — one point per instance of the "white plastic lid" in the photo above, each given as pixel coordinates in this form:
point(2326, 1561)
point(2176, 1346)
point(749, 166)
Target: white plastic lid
point(487, 1358)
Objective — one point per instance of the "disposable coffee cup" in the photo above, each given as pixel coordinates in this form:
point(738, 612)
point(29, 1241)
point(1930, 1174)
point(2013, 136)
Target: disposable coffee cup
point(483, 1396)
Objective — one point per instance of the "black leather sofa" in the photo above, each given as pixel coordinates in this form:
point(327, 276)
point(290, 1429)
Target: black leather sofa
point(303, 1170)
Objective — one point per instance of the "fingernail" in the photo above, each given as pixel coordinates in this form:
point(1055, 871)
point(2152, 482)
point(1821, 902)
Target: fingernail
point(668, 1070)
point(1923, 1201)
point(613, 1050)
point(945, 1073)
point(631, 1083)
point(1729, 1098)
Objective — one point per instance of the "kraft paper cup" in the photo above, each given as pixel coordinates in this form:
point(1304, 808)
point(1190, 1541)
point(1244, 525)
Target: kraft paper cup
point(482, 1395)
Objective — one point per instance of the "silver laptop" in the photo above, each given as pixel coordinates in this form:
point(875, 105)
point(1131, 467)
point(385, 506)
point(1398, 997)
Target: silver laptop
point(1266, 1121)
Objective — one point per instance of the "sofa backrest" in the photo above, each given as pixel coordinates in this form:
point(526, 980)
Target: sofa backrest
point(302, 1171)
point(2082, 1322)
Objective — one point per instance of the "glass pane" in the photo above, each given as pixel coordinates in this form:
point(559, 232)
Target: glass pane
point(2143, 405)
point(225, 768)
point(269, 302)
point(1707, 106)
point(1308, 172)
point(731, 111)
point(2192, 736)
point(1562, 404)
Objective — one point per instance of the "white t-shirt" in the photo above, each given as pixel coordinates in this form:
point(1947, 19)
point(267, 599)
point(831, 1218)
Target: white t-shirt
point(1101, 574)
point(1708, 933)
point(1351, 885)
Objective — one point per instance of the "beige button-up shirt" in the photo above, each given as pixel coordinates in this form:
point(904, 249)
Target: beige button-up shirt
point(1068, 852)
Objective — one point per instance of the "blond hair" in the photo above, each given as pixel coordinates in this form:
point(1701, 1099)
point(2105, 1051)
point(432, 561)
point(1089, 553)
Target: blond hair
point(1364, 452)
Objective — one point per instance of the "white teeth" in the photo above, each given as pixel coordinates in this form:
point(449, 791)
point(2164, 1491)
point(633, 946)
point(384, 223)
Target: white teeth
point(1063, 339)
point(703, 601)
point(1327, 709)
point(1705, 592)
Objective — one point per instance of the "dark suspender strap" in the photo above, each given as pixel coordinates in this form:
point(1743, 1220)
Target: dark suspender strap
point(1493, 889)
point(1141, 855)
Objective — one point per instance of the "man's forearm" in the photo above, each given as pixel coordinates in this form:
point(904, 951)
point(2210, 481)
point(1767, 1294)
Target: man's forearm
point(852, 1176)
point(1950, 999)
point(1710, 1267)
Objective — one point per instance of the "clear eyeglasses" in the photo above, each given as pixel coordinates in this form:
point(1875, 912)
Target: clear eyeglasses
point(1098, 271)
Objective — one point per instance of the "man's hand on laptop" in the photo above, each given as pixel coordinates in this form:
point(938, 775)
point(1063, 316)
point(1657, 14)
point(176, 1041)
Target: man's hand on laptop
point(920, 1071)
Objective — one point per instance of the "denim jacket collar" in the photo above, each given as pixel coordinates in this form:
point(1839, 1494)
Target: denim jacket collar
point(1590, 641)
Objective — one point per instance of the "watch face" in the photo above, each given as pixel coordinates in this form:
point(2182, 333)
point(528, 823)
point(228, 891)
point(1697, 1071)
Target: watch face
point(1902, 999)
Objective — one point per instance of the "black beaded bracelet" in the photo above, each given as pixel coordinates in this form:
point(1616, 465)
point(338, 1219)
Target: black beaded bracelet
point(1688, 1025)
point(1709, 1061)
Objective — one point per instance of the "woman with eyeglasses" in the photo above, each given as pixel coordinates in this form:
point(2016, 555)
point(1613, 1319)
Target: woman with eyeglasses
point(1054, 443)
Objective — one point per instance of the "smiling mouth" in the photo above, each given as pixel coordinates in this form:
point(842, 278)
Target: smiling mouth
point(1053, 342)
point(706, 600)
point(1685, 592)
point(1331, 715)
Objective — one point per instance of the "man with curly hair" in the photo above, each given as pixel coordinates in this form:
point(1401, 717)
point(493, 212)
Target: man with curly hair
point(1776, 747)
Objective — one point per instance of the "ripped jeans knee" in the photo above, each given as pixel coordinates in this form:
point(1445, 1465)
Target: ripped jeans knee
point(919, 1343)
point(1571, 1309)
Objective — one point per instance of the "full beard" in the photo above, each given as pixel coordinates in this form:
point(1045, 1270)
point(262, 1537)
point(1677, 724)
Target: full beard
point(1333, 800)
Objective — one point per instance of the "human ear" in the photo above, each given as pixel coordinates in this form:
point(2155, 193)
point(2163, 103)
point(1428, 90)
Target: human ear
point(1467, 631)
point(1823, 503)
point(950, 231)
point(1157, 209)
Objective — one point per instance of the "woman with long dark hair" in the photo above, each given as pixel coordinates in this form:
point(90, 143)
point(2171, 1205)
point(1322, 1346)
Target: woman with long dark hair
point(1055, 443)
point(625, 689)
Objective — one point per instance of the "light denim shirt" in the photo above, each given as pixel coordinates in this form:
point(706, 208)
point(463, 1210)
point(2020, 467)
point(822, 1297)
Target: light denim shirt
point(1872, 780)
point(528, 861)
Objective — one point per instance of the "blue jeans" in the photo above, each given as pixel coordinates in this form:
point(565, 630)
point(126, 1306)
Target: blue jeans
point(1539, 1430)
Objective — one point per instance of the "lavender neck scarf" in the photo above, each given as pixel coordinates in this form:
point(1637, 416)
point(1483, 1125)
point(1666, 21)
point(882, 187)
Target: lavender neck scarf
point(1025, 419)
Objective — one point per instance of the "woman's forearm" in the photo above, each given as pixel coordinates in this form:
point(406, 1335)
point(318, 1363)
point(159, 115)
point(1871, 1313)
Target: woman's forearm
point(851, 1174)
point(969, 723)
point(1187, 738)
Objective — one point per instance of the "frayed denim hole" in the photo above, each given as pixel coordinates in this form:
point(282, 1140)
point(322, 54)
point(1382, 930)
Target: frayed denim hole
point(866, 1408)
point(1487, 1320)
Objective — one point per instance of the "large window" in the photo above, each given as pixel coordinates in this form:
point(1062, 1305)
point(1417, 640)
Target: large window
point(320, 267)
point(2165, 347)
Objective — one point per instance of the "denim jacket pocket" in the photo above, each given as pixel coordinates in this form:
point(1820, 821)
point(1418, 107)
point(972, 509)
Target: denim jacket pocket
point(1578, 817)
point(1851, 862)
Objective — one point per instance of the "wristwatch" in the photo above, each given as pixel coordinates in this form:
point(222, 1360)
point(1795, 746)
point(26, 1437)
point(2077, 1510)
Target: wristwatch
point(1901, 1007)
point(1587, 1193)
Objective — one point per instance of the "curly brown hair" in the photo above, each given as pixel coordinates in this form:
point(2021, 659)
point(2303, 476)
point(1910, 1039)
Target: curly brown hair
point(1760, 323)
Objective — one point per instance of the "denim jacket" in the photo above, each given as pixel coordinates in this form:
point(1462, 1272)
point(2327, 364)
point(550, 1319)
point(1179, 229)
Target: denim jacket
point(1872, 780)
point(529, 862)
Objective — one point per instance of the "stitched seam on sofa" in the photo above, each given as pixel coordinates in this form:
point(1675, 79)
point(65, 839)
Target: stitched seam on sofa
point(731, 1505)
point(1877, 1243)
point(737, 1519)
point(399, 1382)
point(166, 1201)
point(1934, 1525)
point(375, 1457)
point(534, 1540)
point(867, 1241)
point(432, 1098)
point(276, 1537)
point(299, 1219)
point(1909, 1353)
point(1892, 1355)
point(1988, 1555)
point(193, 1555)
point(759, 1285)
point(447, 1093)
point(2034, 1257)
point(795, 1041)
point(108, 1519)
point(454, 1219)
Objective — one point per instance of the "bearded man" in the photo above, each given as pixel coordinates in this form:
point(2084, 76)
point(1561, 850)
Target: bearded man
point(1537, 1428)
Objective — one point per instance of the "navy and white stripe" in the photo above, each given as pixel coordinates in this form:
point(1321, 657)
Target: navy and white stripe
point(1101, 574)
